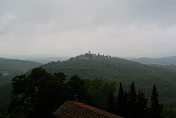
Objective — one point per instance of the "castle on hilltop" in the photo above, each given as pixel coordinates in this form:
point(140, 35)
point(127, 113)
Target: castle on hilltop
point(90, 56)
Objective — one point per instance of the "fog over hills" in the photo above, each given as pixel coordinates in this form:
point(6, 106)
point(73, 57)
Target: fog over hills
point(11, 67)
point(36, 58)
point(53, 35)
point(163, 61)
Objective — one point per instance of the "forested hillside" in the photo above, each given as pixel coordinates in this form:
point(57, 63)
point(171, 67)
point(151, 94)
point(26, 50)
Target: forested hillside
point(40, 93)
point(8, 69)
point(108, 68)
point(101, 76)
point(169, 67)
point(11, 67)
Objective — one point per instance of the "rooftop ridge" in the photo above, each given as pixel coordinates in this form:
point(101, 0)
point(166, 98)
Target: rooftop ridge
point(81, 110)
point(96, 110)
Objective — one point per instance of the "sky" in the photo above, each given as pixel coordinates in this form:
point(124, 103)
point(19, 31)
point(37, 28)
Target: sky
point(123, 28)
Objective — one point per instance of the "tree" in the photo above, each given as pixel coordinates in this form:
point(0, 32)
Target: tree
point(76, 86)
point(168, 112)
point(121, 102)
point(155, 107)
point(1, 75)
point(99, 92)
point(38, 94)
point(61, 77)
point(132, 95)
point(131, 101)
point(141, 105)
point(110, 99)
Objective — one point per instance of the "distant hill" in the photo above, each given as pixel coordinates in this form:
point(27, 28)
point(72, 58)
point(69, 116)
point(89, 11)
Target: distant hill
point(11, 67)
point(8, 69)
point(36, 58)
point(161, 61)
point(169, 67)
point(48, 59)
point(120, 70)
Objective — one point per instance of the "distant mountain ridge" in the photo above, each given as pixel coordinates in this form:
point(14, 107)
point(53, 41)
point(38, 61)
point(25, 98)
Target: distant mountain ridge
point(109, 68)
point(163, 61)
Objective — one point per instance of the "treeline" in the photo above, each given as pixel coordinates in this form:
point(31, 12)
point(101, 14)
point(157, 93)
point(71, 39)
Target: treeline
point(40, 93)
point(133, 104)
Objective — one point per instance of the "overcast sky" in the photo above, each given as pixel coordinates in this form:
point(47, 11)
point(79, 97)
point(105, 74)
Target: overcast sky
point(123, 28)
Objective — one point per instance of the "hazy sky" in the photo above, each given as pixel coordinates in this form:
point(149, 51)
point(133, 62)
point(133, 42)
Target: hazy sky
point(128, 28)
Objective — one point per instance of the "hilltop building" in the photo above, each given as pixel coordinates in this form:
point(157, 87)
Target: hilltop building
point(90, 56)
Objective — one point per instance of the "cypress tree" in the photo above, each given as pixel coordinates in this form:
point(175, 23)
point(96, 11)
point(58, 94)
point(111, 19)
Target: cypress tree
point(132, 98)
point(155, 107)
point(132, 95)
point(141, 105)
point(121, 102)
point(110, 100)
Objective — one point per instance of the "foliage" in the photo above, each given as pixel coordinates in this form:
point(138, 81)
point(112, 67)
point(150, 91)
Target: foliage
point(168, 112)
point(8, 69)
point(40, 93)
point(100, 93)
point(132, 104)
point(119, 70)
point(4, 95)
point(12, 67)
point(155, 108)
point(101, 67)
point(121, 101)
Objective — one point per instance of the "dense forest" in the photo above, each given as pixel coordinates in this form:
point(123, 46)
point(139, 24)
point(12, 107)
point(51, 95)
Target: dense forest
point(91, 66)
point(39, 94)
point(100, 78)
point(8, 69)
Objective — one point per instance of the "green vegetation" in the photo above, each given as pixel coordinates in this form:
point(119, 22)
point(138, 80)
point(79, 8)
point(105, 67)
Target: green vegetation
point(4, 95)
point(101, 77)
point(155, 108)
point(11, 67)
point(119, 70)
point(169, 67)
point(8, 69)
point(168, 112)
point(40, 93)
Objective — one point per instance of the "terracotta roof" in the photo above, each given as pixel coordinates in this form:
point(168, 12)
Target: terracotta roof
point(72, 109)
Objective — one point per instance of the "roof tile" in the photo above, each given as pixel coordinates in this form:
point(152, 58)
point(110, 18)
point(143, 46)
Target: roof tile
point(71, 109)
